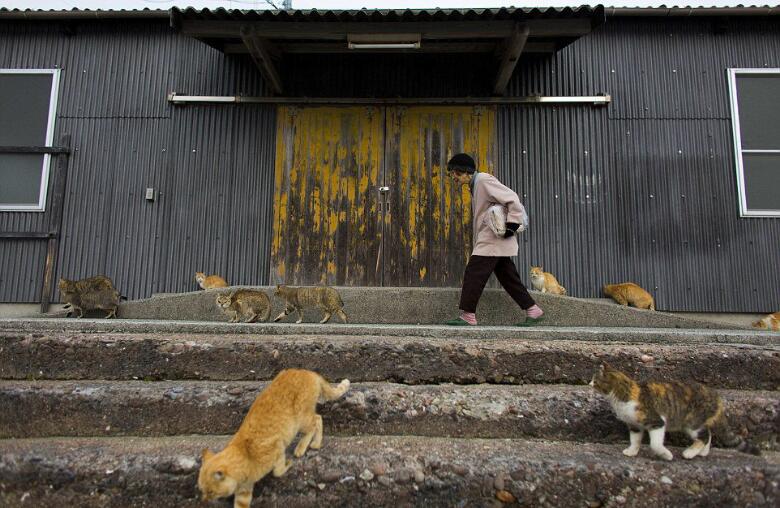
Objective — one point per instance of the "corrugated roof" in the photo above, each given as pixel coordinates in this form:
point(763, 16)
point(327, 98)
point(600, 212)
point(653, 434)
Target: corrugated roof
point(433, 14)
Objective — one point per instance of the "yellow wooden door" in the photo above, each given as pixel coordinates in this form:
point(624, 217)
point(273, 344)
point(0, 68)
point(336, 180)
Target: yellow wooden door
point(427, 234)
point(362, 197)
point(326, 227)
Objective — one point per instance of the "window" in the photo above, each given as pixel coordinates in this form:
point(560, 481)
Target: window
point(755, 114)
point(28, 102)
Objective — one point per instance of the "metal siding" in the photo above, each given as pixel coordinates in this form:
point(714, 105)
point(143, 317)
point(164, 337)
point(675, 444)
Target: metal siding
point(219, 196)
point(601, 228)
point(645, 189)
point(125, 138)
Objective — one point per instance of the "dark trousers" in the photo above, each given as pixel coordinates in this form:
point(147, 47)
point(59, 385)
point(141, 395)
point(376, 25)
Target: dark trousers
point(477, 274)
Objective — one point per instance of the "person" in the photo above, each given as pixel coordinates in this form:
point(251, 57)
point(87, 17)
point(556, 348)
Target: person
point(491, 253)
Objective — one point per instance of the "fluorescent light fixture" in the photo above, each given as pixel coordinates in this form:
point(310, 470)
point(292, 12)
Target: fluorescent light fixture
point(383, 41)
point(383, 45)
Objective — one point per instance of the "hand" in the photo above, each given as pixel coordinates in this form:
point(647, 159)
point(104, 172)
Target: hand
point(511, 227)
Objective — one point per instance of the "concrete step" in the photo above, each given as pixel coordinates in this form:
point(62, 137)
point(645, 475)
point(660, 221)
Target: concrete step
point(104, 408)
point(385, 471)
point(40, 326)
point(422, 306)
point(411, 360)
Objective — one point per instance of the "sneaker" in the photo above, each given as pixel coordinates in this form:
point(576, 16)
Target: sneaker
point(457, 322)
point(529, 321)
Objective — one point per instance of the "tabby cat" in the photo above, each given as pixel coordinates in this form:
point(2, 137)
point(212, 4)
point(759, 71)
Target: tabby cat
point(287, 406)
point(246, 305)
point(545, 282)
point(89, 294)
point(661, 407)
point(769, 322)
point(629, 293)
point(325, 298)
point(210, 282)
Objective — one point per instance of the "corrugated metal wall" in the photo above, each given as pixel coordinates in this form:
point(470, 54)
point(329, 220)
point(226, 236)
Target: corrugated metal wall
point(643, 189)
point(212, 166)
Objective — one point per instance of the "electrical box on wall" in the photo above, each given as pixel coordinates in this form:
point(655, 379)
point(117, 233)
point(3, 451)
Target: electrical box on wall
point(150, 194)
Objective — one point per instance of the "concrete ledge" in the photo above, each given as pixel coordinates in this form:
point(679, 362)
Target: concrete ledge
point(102, 408)
point(42, 326)
point(413, 360)
point(423, 306)
point(384, 471)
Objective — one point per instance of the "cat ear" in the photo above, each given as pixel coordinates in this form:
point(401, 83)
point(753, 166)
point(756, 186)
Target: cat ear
point(206, 454)
point(218, 476)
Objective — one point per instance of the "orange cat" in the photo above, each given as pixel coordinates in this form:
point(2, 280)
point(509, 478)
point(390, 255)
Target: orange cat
point(210, 282)
point(629, 293)
point(769, 322)
point(545, 282)
point(288, 405)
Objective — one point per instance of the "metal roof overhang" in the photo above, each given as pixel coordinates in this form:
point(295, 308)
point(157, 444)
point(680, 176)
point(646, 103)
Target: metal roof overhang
point(504, 34)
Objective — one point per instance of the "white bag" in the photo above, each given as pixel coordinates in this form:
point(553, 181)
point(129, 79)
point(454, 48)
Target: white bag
point(495, 218)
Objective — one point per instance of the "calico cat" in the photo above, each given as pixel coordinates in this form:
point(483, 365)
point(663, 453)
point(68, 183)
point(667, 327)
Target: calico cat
point(545, 282)
point(769, 322)
point(661, 407)
point(88, 294)
point(325, 298)
point(210, 282)
point(287, 406)
point(245, 304)
point(629, 293)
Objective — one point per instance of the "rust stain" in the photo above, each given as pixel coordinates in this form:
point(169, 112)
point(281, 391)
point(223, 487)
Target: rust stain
point(329, 163)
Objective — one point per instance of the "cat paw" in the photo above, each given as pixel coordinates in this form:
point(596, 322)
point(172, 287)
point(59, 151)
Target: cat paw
point(344, 385)
point(663, 454)
point(631, 452)
point(690, 453)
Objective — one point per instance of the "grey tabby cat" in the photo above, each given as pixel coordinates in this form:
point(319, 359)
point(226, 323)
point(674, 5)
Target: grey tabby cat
point(325, 298)
point(246, 304)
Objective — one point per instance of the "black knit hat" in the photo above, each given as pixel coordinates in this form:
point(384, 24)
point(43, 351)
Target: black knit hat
point(462, 162)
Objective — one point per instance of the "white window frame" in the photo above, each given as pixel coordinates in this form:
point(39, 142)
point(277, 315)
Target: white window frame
point(738, 151)
point(45, 169)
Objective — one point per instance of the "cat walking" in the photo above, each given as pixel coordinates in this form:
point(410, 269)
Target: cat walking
point(245, 305)
point(285, 408)
point(658, 408)
point(324, 298)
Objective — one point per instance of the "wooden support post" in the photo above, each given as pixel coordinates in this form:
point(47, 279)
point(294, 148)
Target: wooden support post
point(514, 47)
point(259, 49)
point(55, 222)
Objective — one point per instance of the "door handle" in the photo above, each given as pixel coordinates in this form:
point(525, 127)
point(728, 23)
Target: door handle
point(383, 202)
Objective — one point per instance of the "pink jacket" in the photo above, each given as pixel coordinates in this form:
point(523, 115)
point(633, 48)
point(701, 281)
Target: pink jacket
point(488, 191)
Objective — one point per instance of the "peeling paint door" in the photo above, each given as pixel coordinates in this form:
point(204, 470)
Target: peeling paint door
point(326, 226)
point(427, 238)
point(362, 197)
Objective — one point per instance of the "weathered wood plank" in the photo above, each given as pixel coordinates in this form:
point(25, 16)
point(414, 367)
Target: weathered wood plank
point(514, 48)
point(259, 51)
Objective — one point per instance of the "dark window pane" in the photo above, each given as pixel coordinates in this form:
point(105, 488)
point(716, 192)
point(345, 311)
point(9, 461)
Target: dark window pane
point(758, 98)
point(24, 109)
point(20, 179)
point(762, 180)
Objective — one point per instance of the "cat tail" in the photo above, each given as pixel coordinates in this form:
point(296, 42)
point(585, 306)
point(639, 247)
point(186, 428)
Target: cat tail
point(729, 439)
point(328, 392)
